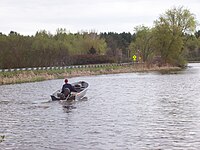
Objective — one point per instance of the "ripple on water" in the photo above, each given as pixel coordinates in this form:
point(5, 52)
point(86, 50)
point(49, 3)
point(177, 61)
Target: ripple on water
point(121, 111)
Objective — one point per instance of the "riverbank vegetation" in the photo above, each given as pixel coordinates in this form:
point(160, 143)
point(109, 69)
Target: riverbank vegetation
point(171, 41)
point(41, 75)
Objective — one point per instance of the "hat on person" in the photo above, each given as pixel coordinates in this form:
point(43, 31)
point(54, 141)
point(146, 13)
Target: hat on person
point(66, 80)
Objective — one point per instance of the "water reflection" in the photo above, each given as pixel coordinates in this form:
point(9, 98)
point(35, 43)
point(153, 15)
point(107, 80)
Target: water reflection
point(121, 111)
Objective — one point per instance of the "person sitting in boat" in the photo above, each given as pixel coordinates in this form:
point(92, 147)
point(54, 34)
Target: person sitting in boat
point(69, 87)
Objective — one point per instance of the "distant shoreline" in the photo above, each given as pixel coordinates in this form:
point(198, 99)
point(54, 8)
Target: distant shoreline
point(42, 75)
point(194, 61)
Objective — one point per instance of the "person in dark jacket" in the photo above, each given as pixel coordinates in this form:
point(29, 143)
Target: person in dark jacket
point(68, 86)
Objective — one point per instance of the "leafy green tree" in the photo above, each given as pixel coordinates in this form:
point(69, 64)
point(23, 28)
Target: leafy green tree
point(118, 44)
point(170, 29)
point(143, 45)
point(3, 49)
point(192, 47)
point(94, 40)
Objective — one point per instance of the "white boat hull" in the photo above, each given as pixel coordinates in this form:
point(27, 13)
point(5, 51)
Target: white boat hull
point(81, 88)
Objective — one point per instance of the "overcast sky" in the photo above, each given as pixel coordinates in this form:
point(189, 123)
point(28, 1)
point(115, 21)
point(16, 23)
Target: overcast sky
point(28, 16)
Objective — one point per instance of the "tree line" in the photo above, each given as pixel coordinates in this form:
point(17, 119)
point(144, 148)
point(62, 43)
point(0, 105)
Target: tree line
point(61, 49)
point(172, 40)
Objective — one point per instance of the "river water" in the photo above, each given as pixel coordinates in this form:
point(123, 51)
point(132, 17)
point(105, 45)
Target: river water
point(121, 112)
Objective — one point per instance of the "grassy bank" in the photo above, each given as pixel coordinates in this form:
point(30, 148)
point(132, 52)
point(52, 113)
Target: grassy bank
point(41, 75)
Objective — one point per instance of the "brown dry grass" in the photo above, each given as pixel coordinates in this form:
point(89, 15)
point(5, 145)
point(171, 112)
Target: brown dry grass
point(32, 76)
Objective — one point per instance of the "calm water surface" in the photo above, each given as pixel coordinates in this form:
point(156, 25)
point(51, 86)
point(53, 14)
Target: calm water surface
point(121, 111)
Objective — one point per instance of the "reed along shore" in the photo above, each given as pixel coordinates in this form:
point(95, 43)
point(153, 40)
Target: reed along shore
point(41, 75)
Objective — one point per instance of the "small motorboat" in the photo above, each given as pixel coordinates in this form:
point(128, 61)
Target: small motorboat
point(81, 88)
